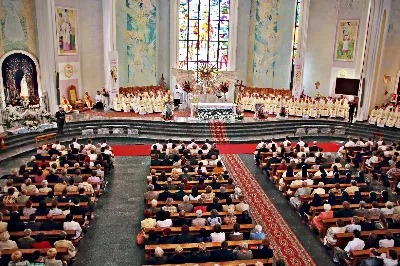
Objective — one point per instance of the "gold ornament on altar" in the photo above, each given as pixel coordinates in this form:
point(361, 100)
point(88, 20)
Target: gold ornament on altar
point(207, 74)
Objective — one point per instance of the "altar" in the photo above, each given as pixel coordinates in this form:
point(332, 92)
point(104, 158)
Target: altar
point(213, 111)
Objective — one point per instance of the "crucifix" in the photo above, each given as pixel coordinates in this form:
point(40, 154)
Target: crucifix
point(238, 89)
point(317, 85)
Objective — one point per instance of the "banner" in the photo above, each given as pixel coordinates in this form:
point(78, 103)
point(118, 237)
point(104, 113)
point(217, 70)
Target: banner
point(69, 70)
point(298, 77)
point(114, 88)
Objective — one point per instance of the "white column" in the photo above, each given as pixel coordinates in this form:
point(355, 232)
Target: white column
point(301, 46)
point(303, 28)
point(373, 57)
point(232, 43)
point(46, 28)
point(174, 39)
point(109, 37)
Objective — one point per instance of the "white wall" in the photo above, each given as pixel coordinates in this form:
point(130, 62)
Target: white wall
point(320, 47)
point(90, 22)
point(242, 46)
point(391, 55)
point(352, 68)
point(319, 60)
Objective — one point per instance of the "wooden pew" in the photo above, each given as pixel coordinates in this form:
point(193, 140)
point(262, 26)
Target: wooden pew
point(194, 182)
point(326, 186)
point(319, 209)
point(194, 202)
point(29, 252)
point(359, 255)
point(47, 234)
point(169, 248)
point(210, 229)
point(229, 191)
point(344, 238)
point(304, 198)
point(41, 218)
point(252, 262)
point(169, 168)
point(44, 138)
point(69, 194)
point(35, 205)
point(192, 215)
point(347, 220)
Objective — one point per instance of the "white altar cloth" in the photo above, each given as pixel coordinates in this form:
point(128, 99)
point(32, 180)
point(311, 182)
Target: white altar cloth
point(225, 106)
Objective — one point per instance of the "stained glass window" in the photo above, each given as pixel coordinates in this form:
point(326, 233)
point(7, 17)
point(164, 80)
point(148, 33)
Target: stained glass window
point(295, 37)
point(203, 33)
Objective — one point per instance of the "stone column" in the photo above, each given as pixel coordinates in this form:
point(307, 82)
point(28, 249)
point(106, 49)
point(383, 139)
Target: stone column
point(46, 29)
point(378, 24)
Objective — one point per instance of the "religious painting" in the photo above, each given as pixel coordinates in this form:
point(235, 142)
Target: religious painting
point(20, 80)
point(265, 16)
point(17, 26)
point(66, 31)
point(140, 37)
point(346, 40)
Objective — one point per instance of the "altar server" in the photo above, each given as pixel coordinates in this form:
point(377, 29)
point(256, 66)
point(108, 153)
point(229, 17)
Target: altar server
point(98, 99)
point(141, 108)
point(391, 120)
point(324, 112)
point(397, 123)
point(117, 104)
point(373, 116)
point(382, 117)
point(332, 108)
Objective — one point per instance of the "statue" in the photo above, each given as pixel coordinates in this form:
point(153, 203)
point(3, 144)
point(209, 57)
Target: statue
point(24, 88)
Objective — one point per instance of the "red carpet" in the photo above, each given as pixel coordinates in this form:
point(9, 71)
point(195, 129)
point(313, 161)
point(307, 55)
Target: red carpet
point(284, 242)
point(144, 150)
point(218, 131)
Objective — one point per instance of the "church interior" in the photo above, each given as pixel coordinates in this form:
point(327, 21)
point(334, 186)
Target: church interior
point(199, 132)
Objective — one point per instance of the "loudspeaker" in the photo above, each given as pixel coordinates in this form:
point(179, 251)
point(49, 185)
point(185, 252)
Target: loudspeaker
point(57, 80)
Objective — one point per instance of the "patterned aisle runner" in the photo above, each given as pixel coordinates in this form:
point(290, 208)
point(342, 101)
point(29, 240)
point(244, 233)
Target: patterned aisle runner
point(284, 242)
point(218, 131)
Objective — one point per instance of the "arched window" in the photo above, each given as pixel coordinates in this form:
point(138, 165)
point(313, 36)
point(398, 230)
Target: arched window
point(203, 33)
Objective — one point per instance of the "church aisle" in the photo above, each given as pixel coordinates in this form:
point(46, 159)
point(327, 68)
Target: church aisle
point(309, 241)
point(111, 239)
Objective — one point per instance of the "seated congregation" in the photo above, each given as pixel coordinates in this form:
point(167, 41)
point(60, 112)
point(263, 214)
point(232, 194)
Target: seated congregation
point(195, 213)
point(350, 200)
point(49, 203)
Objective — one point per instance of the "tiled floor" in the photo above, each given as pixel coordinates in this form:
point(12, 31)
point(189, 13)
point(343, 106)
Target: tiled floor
point(111, 239)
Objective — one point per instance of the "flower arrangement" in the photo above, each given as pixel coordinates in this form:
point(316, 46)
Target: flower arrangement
point(224, 87)
point(186, 87)
point(7, 123)
point(31, 122)
point(215, 114)
point(282, 112)
point(168, 115)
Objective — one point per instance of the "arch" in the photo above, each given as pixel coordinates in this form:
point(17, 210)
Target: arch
point(38, 74)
